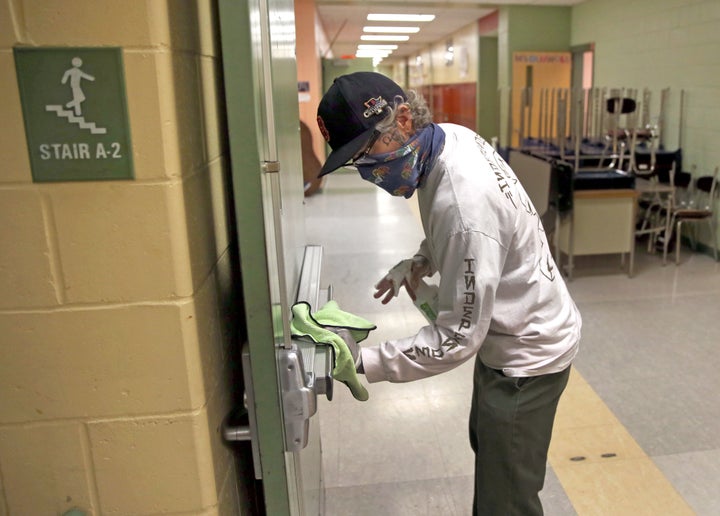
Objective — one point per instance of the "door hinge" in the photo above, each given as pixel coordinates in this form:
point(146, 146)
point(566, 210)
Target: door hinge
point(270, 167)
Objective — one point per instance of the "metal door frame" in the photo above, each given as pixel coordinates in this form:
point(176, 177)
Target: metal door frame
point(241, 97)
point(277, 267)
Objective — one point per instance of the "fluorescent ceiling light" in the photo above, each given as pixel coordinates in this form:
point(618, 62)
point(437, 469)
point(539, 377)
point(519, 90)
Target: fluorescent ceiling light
point(377, 47)
point(374, 58)
point(401, 17)
point(392, 30)
point(373, 53)
point(387, 37)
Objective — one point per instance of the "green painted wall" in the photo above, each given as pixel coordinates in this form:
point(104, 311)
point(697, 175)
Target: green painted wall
point(538, 28)
point(523, 28)
point(674, 44)
point(488, 115)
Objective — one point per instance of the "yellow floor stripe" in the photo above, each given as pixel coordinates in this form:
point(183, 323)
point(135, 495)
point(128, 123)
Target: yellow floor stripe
point(602, 469)
point(600, 466)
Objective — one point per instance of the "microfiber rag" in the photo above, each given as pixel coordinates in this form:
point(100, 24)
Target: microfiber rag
point(319, 327)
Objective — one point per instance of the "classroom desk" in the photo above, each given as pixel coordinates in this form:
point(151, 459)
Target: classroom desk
point(601, 222)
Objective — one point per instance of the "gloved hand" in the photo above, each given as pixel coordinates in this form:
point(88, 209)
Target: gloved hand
point(407, 273)
point(420, 268)
point(353, 346)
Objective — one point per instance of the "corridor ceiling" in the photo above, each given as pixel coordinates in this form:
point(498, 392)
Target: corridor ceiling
point(343, 20)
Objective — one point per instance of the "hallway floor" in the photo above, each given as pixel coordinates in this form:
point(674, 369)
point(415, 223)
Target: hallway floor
point(641, 410)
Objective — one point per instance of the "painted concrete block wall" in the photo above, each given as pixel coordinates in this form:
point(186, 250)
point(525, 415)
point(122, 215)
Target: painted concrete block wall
point(669, 44)
point(113, 295)
point(675, 44)
point(542, 28)
point(525, 28)
point(488, 105)
point(431, 69)
point(463, 68)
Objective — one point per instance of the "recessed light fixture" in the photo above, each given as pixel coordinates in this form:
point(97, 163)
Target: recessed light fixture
point(392, 30)
point(372, 53)
point(384, 37)
point(378, 47)
point(401, 17)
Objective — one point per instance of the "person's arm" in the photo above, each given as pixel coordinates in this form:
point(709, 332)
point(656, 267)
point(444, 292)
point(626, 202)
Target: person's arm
point(424, 253)
point(469, 275)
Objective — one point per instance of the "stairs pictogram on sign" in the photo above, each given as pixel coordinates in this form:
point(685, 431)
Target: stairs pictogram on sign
point(79, 120)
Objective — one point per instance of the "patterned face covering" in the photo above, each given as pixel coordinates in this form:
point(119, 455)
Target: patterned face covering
point(399, 172)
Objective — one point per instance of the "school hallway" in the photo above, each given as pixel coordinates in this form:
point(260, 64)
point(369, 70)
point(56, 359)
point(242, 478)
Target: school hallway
point(637, 430)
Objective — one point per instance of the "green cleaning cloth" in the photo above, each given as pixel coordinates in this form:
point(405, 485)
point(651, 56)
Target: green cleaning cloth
point(318, 326)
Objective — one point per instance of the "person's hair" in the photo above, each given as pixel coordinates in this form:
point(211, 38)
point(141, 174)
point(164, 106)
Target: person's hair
point(419, 109)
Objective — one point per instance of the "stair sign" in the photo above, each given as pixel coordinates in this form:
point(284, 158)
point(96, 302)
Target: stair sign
point(75, 113)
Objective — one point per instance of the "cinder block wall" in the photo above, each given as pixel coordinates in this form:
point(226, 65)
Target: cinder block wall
point(113, 313)
point(672, 45)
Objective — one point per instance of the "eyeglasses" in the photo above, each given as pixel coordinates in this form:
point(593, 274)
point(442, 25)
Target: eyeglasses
point(366, 150)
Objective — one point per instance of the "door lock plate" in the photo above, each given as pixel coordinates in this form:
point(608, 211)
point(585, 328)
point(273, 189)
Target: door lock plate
point(298, 399)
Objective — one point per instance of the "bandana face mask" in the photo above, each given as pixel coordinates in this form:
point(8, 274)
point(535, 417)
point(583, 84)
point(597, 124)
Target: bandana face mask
point(395, 172)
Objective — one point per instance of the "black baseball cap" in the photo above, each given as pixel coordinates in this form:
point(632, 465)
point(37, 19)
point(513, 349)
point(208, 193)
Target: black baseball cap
point(350, 110)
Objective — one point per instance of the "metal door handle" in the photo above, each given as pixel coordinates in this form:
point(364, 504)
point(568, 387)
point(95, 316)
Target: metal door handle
point(235, 432)
point(304, 370)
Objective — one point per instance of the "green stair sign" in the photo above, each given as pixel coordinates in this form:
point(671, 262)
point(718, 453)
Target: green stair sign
point(75, 113)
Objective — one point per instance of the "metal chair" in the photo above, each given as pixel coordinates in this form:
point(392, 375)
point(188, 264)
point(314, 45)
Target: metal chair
point(617, 136)
point(660, 193)
point(700, 207)
point(655, 204)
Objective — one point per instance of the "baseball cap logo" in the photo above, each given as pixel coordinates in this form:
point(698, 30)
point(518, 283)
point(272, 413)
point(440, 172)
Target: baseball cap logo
point(323, 129)
point(374, 106)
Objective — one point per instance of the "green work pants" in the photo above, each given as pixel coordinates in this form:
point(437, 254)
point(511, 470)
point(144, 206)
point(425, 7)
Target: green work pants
point(511, 422)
